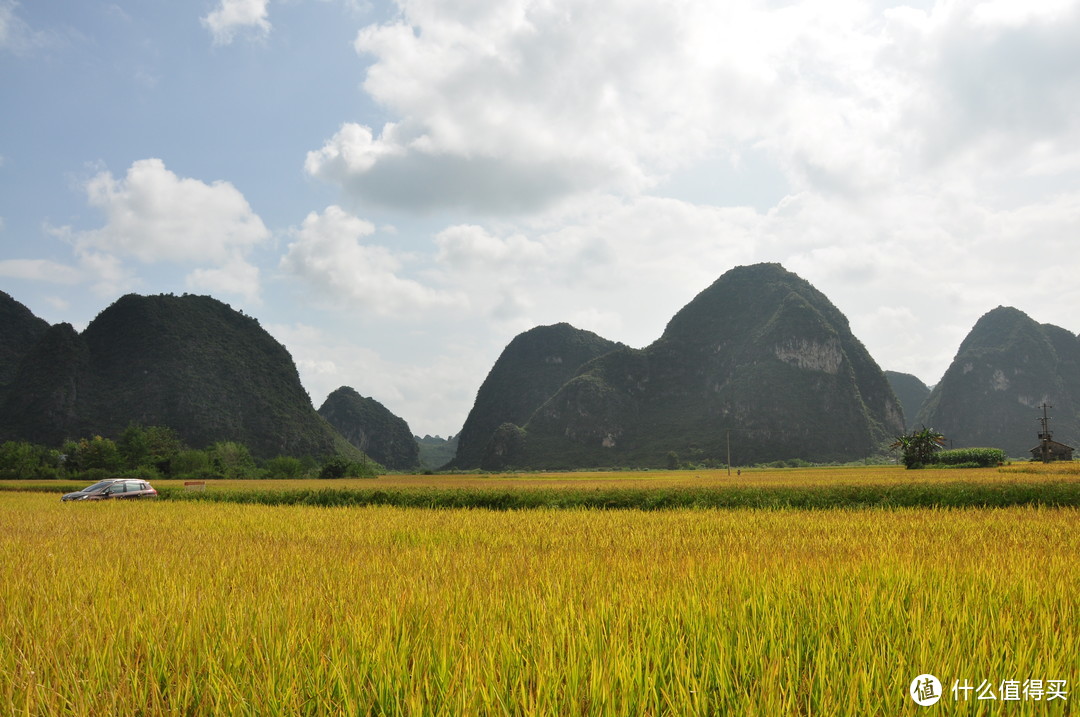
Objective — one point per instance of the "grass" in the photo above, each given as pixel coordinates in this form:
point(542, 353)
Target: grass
point(174, 607)
point(820, 488)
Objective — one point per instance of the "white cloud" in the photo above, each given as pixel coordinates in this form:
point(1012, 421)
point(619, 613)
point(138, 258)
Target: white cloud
point(106, 273)
point(232, 16)
point(433, 397)
point(154, 215)
point(7, 18)
point(513, 106)
point(40, 270)
point(235, 276)
point(606, 265)
point(328, 254)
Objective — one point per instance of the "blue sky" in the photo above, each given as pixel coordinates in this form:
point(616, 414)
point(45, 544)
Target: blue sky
point(396, 189)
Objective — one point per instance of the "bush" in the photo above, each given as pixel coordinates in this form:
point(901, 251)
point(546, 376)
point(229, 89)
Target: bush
point(229, 459)
point(284, 467)
point(971, 457)
point(338, 467)
point(22, 460)
point(190, 464)
point(150, 446)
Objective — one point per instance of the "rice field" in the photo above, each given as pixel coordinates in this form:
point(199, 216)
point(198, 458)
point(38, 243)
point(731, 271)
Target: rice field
point(823, 477)
point(176, 607)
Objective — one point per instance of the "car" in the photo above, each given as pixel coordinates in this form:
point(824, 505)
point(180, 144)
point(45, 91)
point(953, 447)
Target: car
point(114, 488)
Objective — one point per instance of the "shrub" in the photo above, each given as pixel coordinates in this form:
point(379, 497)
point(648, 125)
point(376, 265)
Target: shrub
point(284, 467)
point(190, 464)
point(338, 467)
point(976, 457)
point(19, 460)
point(153, 446)
point(229, 459)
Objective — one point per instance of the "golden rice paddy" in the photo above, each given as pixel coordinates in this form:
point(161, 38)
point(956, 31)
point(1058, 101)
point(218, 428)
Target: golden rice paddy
point(174, 607)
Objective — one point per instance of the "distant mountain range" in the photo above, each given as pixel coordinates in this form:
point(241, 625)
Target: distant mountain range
point(760, 366)
point(436, 451)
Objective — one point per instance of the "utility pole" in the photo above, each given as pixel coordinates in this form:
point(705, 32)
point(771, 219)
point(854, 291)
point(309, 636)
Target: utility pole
point(727, 432)
point(1045, 435)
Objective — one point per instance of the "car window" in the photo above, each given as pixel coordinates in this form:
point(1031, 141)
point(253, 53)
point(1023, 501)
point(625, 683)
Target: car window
point(118, 488)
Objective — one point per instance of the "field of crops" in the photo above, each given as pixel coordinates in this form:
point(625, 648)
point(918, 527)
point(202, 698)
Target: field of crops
point(177, 607)
point(818, 488)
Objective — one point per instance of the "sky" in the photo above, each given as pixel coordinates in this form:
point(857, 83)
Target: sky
point(397, 189)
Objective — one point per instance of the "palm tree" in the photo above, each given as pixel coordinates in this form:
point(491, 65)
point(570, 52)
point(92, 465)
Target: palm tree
point(918, 449)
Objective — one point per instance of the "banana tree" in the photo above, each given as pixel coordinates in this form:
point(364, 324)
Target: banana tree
point(918, 448)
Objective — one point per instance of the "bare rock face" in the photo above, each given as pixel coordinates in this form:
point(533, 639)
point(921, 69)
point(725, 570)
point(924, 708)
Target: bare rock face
point(760, 362)
point(812, 355)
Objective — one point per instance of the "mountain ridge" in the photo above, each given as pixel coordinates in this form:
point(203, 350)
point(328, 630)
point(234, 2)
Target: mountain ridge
point(1005, 368)
point(760, 353)
point(372, 428)
point(188, 362)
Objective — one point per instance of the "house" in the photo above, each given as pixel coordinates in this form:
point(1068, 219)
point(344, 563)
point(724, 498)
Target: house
point(1049, 450)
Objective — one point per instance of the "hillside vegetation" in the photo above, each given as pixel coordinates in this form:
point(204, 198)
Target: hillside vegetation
point(1005, 369)
point(760, 362)
point(371, 427)
point(187, 362)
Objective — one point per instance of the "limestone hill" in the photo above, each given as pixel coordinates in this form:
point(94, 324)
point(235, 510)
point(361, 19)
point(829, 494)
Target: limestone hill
point(760, 361)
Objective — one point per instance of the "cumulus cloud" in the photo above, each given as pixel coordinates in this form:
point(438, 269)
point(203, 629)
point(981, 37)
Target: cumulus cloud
point(607, 265)
point(154, 216)
point(330, 255)
point(105, 274)
point(233, 16)
point(510, 107)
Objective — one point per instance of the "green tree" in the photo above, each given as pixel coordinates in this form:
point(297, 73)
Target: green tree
point(284, 467)
point(338, 467)
point(20, 459)
point(918, 448)
point(99, 454)
point(150, 446)
point(190, 464)
point(231, 460)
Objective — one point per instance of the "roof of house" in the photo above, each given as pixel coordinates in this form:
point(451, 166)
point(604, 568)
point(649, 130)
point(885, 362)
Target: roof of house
point(1053, 445)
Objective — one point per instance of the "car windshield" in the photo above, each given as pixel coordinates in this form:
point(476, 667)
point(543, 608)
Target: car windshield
point(100, 485)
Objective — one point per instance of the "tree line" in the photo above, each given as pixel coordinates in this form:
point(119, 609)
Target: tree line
point(151, 452)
